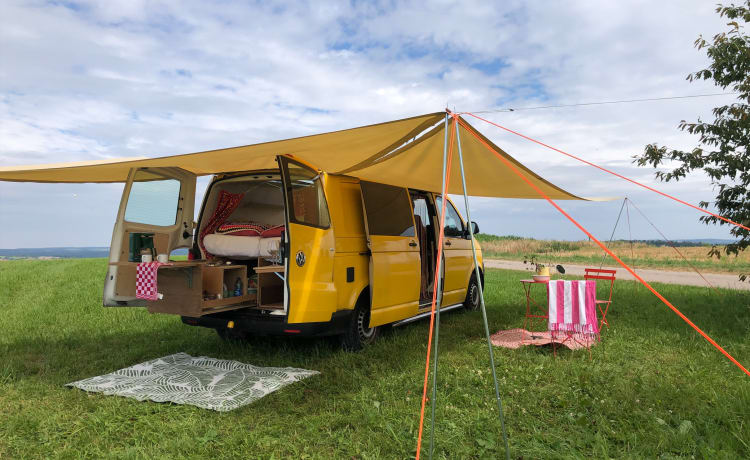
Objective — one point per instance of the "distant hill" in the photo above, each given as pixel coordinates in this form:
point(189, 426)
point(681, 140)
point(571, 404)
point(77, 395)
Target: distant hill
point(707, 241)
point(63, 253)
point(103, 251)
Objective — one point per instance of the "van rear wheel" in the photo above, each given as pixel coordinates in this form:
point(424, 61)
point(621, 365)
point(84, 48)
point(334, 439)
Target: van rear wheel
point(359, 334)
point(472, 301)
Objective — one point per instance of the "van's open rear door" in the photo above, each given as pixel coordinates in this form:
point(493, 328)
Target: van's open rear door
point(394, 264)
point(156, 211)
point(311, 294)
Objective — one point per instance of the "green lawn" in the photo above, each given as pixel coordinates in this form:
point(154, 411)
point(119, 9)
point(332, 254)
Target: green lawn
point(654, 388)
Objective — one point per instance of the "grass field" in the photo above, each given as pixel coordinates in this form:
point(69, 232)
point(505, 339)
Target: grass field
point(654, 388)
point(639, 255)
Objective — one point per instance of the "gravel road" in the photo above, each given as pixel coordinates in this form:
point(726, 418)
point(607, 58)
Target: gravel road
point(689, 278)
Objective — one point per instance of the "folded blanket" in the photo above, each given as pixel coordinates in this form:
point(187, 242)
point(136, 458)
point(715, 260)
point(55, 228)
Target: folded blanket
point(242, 228)
point(250, 229)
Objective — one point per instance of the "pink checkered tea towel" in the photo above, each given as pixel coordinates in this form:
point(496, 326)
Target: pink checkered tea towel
point(145, 281)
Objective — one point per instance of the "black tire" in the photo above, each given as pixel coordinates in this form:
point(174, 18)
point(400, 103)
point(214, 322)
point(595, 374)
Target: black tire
point(358, 335)
point(472, 301)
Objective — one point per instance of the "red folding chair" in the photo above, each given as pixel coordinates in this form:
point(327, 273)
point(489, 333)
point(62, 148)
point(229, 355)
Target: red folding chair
point(602, 274)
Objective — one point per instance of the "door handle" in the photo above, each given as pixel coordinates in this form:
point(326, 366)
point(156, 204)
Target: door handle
point(412, 243)
point(447, 243)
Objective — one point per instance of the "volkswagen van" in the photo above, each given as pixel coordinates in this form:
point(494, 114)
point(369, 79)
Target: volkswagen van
point(290, 251)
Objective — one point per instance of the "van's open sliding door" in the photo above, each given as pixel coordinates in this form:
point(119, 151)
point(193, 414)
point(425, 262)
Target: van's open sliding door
point(156, 210)
point(394, 263)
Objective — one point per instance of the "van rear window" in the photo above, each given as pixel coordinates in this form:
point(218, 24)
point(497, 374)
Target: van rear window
point(388, 210)
point(307, 201)
point(153, 200)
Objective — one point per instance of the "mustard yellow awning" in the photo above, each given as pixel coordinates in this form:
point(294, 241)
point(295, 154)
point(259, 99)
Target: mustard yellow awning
point(407, 152)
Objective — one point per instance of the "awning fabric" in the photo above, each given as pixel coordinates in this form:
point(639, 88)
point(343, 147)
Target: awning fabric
point(407, 152)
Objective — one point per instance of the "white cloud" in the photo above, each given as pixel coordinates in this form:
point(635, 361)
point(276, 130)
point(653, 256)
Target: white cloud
point(122, 78)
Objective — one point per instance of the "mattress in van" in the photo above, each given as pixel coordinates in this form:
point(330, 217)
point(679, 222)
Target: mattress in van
point(241, 247)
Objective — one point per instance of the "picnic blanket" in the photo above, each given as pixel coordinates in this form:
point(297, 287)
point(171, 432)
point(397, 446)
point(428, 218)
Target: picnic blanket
point(209, 383)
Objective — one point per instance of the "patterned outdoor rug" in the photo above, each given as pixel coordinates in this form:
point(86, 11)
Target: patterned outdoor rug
point(516, 338)
point(209, 383)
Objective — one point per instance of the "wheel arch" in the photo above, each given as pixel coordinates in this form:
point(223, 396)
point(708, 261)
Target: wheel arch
point(363, 298)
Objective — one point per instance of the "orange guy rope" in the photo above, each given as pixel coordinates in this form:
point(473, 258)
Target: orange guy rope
point(611, 172)
point(604, 248)
point(434, 292)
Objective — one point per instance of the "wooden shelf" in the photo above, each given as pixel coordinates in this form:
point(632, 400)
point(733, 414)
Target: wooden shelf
point(272, 306)
point(214, 303)
point(269, 269)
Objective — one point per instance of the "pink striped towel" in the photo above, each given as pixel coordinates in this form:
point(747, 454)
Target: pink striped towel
point(572, 307)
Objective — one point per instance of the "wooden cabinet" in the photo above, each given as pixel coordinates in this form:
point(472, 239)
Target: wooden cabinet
point(194, 288)
point(214, 279)
point(270, 285)
point(183, 285)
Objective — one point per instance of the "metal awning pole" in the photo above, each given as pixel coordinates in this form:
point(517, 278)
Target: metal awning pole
point(437, 284)
point(481, 294)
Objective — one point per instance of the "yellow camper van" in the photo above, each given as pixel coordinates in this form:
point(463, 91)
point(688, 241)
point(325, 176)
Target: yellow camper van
point(292, 251)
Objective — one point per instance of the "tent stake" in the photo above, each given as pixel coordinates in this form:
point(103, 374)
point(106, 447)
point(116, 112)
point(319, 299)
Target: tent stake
point(481, 294)
point(438, 285)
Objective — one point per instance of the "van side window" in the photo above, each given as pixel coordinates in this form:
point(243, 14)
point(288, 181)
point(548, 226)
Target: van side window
point(454, 228)
point(307, 202)
point(153, 199)
point(388, 210)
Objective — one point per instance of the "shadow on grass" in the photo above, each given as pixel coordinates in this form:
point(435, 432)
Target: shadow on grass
point(83, 354)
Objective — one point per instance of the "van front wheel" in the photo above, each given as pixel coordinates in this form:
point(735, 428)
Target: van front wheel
point(472, 300)
point(359, 333)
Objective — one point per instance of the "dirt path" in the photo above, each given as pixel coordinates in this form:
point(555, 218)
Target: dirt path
point(662, 276)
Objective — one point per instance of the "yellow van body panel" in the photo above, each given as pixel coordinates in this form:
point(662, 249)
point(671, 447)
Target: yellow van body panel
point(312, 292)
point(395, 274)
point(345, 207)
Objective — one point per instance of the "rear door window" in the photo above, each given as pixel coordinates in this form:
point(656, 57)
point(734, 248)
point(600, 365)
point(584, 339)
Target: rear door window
point(153, 200)
point(304, 191)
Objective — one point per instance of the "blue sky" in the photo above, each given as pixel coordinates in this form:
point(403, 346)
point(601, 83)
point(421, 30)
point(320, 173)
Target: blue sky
point(90, 80)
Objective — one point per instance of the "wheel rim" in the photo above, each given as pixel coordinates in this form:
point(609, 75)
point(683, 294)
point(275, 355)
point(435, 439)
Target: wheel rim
point(474, 296)
point(363, 321)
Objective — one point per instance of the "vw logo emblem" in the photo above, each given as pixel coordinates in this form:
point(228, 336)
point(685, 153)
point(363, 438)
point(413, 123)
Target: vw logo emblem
point(300, 258)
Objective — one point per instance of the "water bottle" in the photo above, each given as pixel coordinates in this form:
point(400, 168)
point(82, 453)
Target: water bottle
point(238, 287)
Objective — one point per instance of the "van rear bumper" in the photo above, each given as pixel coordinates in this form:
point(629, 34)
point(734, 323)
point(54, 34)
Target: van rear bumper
point(269, 325)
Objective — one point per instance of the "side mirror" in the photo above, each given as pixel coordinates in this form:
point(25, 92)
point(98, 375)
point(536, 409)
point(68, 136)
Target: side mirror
point(474, 227)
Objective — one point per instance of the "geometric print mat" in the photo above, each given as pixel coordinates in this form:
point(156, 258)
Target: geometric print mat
point(209, 383)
